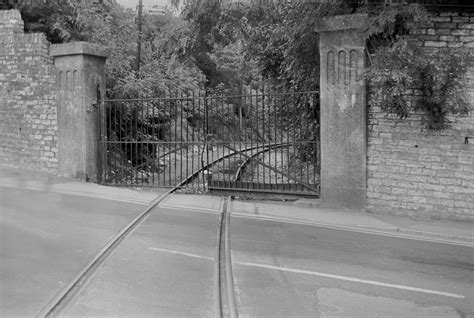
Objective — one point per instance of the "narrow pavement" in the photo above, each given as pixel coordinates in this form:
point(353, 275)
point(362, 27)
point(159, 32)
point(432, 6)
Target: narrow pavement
point(288, 259)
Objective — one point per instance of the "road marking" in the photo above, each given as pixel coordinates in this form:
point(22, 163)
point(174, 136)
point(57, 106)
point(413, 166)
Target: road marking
point(381, 232)
point(352, 279)
point(181, 253)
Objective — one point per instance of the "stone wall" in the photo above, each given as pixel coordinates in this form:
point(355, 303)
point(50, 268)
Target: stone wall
point(47, 118)
point(418, 172)
point(28, 125)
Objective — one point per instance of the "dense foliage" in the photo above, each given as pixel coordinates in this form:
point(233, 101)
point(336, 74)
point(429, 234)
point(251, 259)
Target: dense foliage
point(57, 19)
point(114, 27)
point(260, 49)
point(273, 42)
point(222, 49)
point(405, 78)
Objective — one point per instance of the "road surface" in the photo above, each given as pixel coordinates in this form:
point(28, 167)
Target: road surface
point(46, 238)
point(283, 270)
point(166, 267)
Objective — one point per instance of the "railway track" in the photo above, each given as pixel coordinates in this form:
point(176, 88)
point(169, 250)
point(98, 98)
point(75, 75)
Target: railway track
point(224, 298)
point(230, 161)
point(225, 304)
point(260, 149)
point(224, 286)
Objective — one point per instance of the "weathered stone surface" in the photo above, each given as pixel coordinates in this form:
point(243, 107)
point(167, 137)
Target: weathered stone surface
point(81, 74)
point(78, 48)
point(419, 173)
point(343, 22)
point(28, 122)
point(343, 112)
point(409, 170)
point(47, 120)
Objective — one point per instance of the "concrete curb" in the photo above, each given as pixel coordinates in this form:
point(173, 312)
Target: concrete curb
point(393, 232)
point(305, 209)
point(132, 197)
point(430, 234)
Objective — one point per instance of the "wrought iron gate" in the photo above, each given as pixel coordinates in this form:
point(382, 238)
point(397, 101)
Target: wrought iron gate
point(260, 141)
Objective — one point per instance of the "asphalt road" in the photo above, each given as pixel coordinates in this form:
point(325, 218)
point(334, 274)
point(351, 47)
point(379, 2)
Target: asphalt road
point(283, 270)
point(280, 270)
point(46, 238)
point(166, 267)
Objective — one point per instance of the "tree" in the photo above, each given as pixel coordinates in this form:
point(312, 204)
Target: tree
point(107, 23)
point(277, 37)
point(271, 44)
point(280, 39)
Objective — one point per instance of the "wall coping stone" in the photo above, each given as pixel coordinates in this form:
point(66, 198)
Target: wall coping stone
point(343, 22)
point(77, 48)
point(10, 15)
point(11, 23)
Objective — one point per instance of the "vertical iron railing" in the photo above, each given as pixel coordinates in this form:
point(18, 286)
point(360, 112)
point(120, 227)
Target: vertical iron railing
point(256, 140)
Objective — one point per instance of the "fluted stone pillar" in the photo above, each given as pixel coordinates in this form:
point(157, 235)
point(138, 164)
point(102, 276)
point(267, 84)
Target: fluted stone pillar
point(343, 111)
point(80, 76)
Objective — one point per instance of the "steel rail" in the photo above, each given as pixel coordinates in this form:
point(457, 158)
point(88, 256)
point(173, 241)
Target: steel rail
point(217, 270)
point(186, 146)
point(308, 186)
point(70, 290)
point(242, 152)
point(241, 167)
point(230, 154)
point(66, 294)
point(198, 171)
point(225, 302)
point(227, 263)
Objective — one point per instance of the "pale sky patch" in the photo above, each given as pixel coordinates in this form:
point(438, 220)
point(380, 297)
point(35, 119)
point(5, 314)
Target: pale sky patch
point(146, 3)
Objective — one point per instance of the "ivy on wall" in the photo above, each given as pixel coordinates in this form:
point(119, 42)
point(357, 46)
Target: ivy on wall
point(405, 78)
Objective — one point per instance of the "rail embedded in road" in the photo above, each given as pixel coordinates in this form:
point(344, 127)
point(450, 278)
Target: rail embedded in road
point(227, 306)
point(66, 294)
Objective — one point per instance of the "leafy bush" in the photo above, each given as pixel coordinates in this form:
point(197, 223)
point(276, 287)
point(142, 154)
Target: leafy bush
point(404, 77)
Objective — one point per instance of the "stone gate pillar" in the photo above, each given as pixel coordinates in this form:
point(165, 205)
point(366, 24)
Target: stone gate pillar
point(343, 111)
point(80, 76)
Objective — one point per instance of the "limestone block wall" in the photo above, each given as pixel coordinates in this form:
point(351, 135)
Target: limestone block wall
point(418, 172)
point(28, 111)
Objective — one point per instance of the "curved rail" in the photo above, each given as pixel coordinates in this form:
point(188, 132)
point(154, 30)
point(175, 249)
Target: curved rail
point(66, 294)
point(70, 290)
point(230, 154)
point(241, 167)
point(306, 185)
